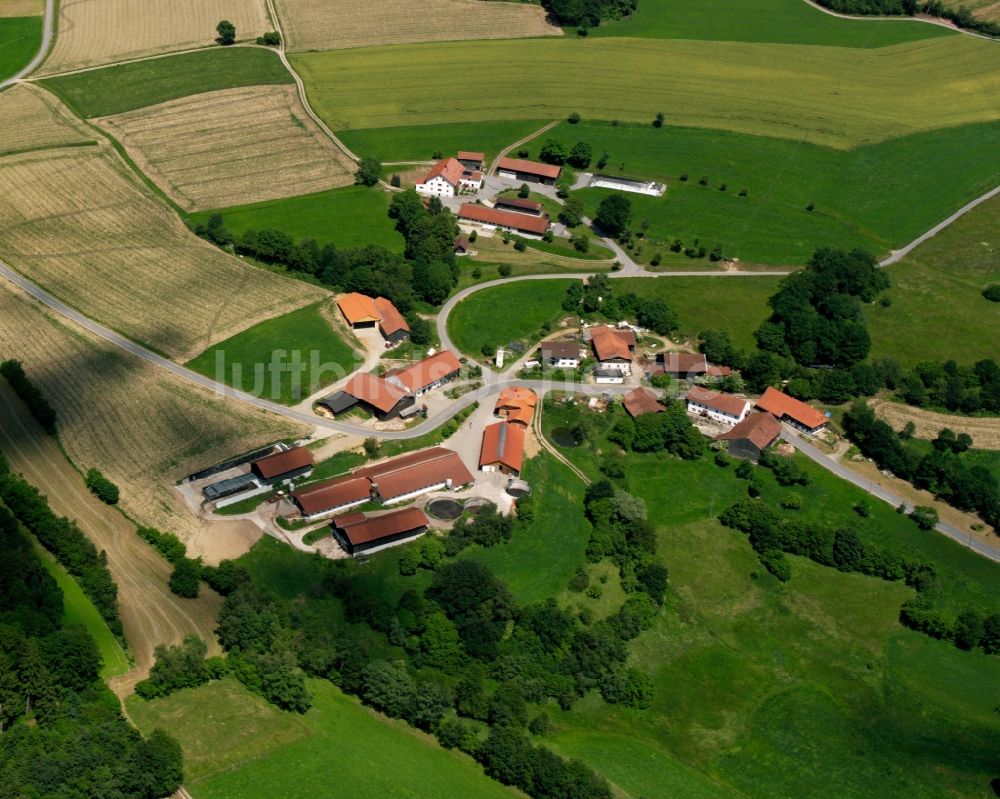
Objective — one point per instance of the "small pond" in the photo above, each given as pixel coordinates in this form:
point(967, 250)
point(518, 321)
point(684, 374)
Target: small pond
point(564, 437)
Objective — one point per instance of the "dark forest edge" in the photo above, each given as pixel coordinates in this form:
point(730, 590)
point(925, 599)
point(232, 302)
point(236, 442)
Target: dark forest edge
point(962, 16)
point(38, 406)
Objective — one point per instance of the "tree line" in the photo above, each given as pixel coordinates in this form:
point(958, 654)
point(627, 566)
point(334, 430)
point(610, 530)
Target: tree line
point(599, 298)
point(588, 13)
point(961, 16)
point(38, 405)
point(61, 730)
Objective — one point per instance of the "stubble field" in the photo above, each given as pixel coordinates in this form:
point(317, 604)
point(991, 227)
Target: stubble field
point(34, 119)
point(22, 8)
point(93, 32)
point(231, 147)
point(80, 224)
point(985, 431)
point(322, 25)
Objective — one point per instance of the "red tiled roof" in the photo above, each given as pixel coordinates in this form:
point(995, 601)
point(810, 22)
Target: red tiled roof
point(392, 319)
point(449, 169)
point(416, 470)
point(640, 401)
point(516, 397)
point(283, 462)
point(503, 443)
point(718, 371)
point(718, 401)
point(522, 416)
point(781, 405)
point(468, 155)
point(682, 363)
point(332, 494)
point(428, 371)
point(361, 529)
point(610, 344)
point(531, 167)
point(509, 219)
point(358, 308)
point(376, 391)
point(517, 202)
point(759, 428)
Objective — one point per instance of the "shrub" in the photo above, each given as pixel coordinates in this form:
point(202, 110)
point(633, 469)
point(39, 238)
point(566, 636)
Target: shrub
point(504, 270)
point(369, 170)
point(791, 502)
point(524, 192)
point(270, 39)
point(185, 580)
point(629, 687)
point(658, 120)
point(774, 561)
point(573, 118)
point(992, 292)
point(227, 32)
point(101, 487)
point(394, 181)
point(926, 518)
point(520, 246)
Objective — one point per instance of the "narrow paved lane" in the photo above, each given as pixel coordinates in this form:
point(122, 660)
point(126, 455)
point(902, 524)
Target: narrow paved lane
point(47, 26)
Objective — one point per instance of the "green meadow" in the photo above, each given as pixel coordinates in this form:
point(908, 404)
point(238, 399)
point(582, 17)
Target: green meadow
point(236, 746)
point(938, 311)
point(354, 216)
point(826, 95)
point(502, 314)
point(775, 21)
point(79, 610)
point(323, 356)
point(113, 90)
point(20, 38)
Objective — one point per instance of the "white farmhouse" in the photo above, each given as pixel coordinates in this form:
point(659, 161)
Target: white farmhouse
point(444, 179)
point(715, 405)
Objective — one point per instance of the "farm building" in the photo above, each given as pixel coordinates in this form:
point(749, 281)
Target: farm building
point(361, 311)
point(463, 246)
point(386, 400)
point(752, 436)
point(503, 220)
point(648, 187)
point(717, 406)
point(472, 161)
point(517, 405)
point(331, 496)
point(795, 412)
point(448, 178)
point(234, 489)
point(641, 401)
point(284, 466)
point(338, 402)
point(686, 366)
point(530, 171)
point(518, 205)
point(363, 534)
point(414, 474)
point(503, 449)
point(391, 325)
point(608, 375)
point(561, 354)
point(428, 374)
point(613, 348)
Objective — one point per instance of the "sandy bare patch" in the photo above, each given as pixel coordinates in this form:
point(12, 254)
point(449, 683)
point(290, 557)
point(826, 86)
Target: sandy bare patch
point(231, 147)
point(93, 32)
point(33, 118)
point(79, 222)
point(985, 431)
point(325, 25)
point(141, 426)
point(22, 8)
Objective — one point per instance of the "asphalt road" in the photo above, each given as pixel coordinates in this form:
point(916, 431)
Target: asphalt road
point(35, 62)
point(883, 494)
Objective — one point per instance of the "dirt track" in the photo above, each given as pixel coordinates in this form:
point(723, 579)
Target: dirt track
point(150, 613)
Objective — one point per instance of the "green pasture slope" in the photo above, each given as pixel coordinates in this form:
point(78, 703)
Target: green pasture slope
point(324, 356)
point(403, 143)
point(79, 610)
point(775, 21)
point(870, 197)
point(238, 747)
point(114, 90)
point(807, 689)
point(354, 216)
point(833, 96)
point(938, 311)
point(20, 38)
point(506, 313)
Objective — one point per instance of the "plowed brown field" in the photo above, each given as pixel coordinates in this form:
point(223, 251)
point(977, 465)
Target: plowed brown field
point(93, 32)
point(324, 25)
point(79, 223)
point(33, 119)
point(231, 147)
point(985, 431)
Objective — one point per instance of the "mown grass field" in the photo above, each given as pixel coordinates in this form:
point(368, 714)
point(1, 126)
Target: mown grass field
point(238, 747)
point(20, 38)
point(870, 197)
point(307, 335)
point(420, 142)
point(114, 90)
point(830, 96)
point(507, 313)
point(354, 216)
point(938, 311)
point(79, 610)
point(778, 21)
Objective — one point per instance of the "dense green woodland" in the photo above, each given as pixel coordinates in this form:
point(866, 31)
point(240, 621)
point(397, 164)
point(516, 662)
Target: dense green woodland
point(62, 735)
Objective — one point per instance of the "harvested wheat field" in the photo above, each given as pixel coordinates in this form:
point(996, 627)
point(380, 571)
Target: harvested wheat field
point(22, 8)
point(985, 431)
point(80, 224)
point(93, 32)
point(141, 426)
point(231, 147)
point(325, 25)
point(34, 119)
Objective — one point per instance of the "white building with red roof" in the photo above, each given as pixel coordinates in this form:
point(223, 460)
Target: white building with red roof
point(717, 405)
point(443, 180)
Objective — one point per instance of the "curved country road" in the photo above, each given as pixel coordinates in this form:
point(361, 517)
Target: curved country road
point(47, 28)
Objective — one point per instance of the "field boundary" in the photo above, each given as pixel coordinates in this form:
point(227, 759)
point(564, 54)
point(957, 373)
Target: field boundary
point(43, 49)
point(939, 22)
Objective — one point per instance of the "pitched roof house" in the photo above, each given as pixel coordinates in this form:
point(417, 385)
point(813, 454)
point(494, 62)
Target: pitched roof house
point(752, 436)
point(787, 408)
point(359, 310)
point(503, 448)
point(427, 374)
point(717, 405)
point(442, 180)
point(640, 401)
